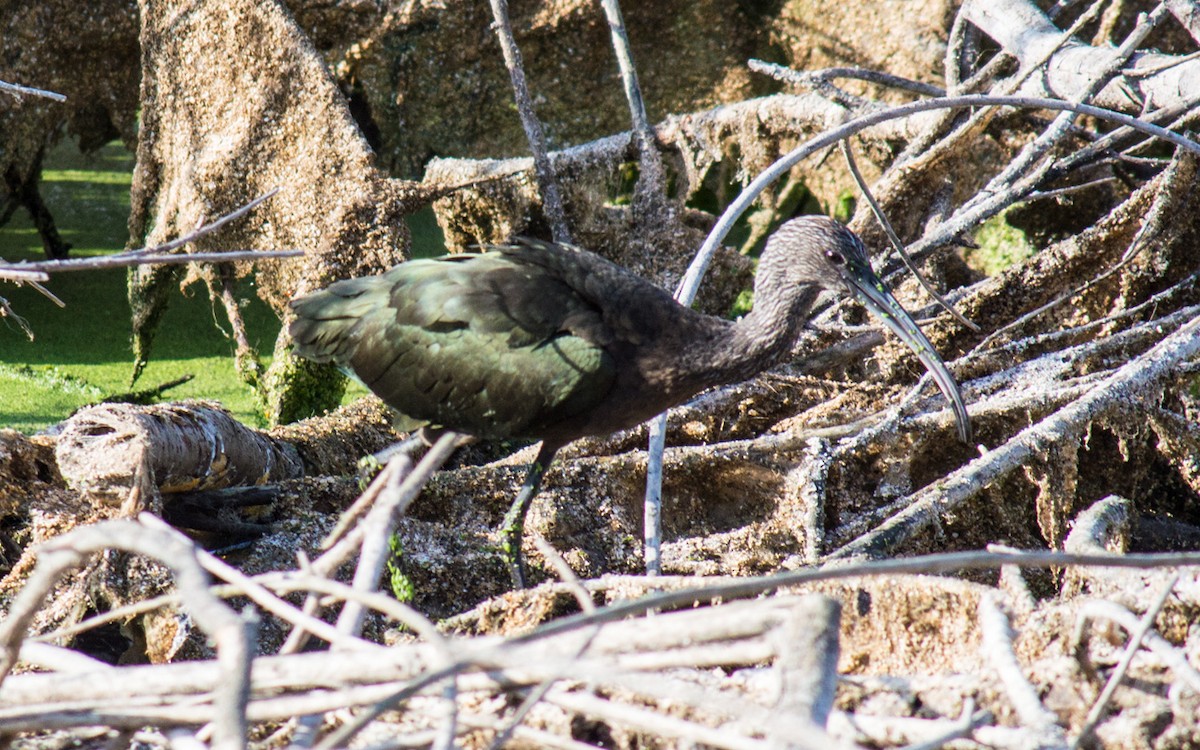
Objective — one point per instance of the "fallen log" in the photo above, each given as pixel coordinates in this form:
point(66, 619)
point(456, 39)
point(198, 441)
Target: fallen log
point(107, 450)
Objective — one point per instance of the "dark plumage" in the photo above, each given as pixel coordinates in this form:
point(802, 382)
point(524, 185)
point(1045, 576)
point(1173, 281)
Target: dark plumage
point(551, 342)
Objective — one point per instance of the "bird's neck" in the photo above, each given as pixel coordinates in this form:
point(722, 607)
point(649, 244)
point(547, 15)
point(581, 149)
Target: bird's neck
point(761, 339)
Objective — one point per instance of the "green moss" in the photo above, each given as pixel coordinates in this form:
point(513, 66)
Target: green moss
point(401, 585)
point(843, 208)
point(743, 304)
point(299, 388)
point(1000, 245)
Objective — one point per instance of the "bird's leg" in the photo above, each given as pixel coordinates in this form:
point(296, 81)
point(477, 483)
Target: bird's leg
point(513, 528)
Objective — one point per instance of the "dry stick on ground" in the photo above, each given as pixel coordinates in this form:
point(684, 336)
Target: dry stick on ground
point(815, 78)
point(934, 734)
point(349, 668)
point(1122, 389)
point(964, 726)
point(257, 591)
point(230, 632)
point(1059, 128)
point(1136, 636)
point(748, 587)
point(544, 168)
point(1187, 12)
point(1025, 32)
point(984, 353)
point(1181, 114)
point(397, 494)
point(1014, 183)
point(1177, 182)
point(15, 271)
point(1168, 652)
point(949, 562)
point(806, 659)
point(997, 645)
point(392, 490)
point(568, 577)
point(659, 725)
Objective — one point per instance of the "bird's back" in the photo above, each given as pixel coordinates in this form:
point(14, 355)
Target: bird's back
point(499, 344)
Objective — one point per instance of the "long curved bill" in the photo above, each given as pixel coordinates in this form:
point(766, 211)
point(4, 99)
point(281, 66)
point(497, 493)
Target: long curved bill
point(869, 290)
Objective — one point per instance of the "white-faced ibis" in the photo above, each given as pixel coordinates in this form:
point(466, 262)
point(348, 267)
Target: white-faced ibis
point(551, 342)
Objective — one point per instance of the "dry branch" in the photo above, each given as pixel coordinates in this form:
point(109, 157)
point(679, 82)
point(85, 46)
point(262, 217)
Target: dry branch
point(1066, 69)
point(183, 447)
point(543, 166)
point(1126, 388)
point(233, 634)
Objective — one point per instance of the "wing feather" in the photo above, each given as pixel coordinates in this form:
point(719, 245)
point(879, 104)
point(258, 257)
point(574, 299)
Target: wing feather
point(477, 344)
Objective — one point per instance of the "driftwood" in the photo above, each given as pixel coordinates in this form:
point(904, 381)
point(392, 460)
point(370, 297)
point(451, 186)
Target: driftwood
point(110, 449)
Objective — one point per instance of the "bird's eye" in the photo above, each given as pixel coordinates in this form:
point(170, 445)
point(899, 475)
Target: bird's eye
point(836, 258)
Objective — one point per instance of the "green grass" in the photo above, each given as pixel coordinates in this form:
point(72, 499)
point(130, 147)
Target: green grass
point(81, 353)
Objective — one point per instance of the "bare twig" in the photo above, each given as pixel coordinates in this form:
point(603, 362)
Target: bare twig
point(41, 269)
point(547, 180)
point(1187, 12)
point(586, 604)
point(227, 628)
point(1135, 643)
point(397, 494)
point(997, 645)
point(1139, 376)
point(812, 78)
point(807, 650)
point(1171, 655)
point(649, 202)
point(690, 283)
point(1025, 32)
point(160, 254)
point(1177, 176)
point(735, 209)
point(18, 91)
point(897, 243)
point(964, 727)
point(927, 564)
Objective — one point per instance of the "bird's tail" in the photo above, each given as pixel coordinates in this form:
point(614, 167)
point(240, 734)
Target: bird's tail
point(328, 322)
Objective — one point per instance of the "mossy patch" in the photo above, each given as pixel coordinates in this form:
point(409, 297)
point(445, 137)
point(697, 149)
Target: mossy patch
point(1000, 245)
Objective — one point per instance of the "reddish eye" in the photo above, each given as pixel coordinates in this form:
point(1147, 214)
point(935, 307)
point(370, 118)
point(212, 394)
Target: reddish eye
point(834, 257)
